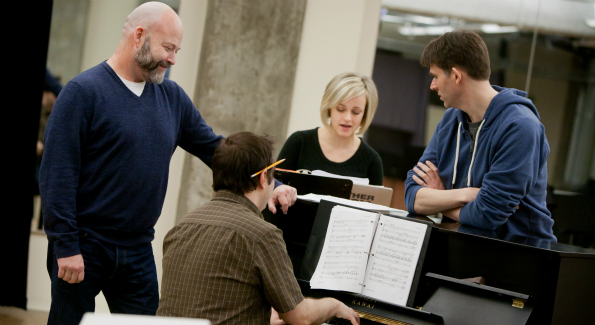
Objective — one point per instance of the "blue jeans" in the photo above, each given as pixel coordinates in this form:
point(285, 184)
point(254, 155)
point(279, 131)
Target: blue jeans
point(126, 275)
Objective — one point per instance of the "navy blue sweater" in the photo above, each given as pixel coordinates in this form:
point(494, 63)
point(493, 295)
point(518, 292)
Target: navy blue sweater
point(510, 166)
point(106, 159)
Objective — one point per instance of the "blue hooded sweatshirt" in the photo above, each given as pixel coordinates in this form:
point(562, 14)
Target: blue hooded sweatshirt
point(509, 164)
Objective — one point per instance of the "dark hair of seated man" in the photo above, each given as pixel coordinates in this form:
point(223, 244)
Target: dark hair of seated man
point(237, 158)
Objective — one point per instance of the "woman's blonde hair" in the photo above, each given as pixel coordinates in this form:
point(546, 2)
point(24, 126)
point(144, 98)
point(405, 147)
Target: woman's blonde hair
point(344, 87)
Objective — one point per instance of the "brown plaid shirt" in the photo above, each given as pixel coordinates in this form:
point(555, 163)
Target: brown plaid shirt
point(225, 263)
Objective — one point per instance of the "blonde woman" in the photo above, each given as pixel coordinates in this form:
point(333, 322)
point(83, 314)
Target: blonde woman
point(347, 109)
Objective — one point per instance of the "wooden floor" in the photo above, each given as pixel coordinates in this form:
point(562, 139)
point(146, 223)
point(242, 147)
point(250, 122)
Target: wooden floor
point(18, 316)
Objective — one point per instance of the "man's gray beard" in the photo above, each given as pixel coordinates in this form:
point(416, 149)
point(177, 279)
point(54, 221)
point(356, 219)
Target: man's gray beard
point(149, 67)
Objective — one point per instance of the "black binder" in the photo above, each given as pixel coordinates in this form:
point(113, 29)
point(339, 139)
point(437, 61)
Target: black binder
point(306, 184)
point(318, 235)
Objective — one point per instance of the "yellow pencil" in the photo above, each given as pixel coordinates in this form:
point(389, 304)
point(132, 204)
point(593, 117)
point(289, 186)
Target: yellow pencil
point(273, 165)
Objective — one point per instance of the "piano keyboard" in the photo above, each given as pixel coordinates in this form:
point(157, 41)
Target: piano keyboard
point(379, 319)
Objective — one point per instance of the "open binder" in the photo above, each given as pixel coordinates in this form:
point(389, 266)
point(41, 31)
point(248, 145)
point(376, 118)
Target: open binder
point(365, 252)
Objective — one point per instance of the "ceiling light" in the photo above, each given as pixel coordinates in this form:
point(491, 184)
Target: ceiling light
point(393, 19)
point(424, 20)
point(420, 31)
point(402, 18)
point(497, 29)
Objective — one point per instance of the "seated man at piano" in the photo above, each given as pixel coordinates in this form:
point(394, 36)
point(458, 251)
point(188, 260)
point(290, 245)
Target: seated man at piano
point(486, 164)
point(223, 262)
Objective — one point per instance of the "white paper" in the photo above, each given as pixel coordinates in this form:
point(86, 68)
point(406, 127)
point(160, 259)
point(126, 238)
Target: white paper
point(358, 204)
point(342, 264)
point(394, 255)
point(355, 180)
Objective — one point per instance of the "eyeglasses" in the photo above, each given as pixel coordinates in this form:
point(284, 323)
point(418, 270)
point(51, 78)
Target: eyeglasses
point(271, 166)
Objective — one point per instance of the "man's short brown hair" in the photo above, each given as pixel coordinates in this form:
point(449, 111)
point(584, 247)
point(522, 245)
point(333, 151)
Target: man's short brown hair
point(461, 48)
point(239, 156)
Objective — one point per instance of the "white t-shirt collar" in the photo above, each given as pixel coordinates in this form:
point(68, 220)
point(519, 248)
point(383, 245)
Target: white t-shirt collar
point(135, 87)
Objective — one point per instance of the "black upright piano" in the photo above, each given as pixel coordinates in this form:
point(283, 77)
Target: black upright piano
point(470, 276)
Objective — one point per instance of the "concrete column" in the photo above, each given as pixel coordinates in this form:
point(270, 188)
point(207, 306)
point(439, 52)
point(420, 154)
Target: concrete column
point(103, 31)
point(246, 79)
point(67, 38)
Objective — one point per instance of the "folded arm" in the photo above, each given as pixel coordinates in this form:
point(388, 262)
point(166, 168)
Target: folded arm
point(430, 201)
point(433, 198)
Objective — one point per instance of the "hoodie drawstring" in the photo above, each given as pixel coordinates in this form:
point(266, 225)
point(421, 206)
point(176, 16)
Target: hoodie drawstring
point(473, 156)
point(454, 173)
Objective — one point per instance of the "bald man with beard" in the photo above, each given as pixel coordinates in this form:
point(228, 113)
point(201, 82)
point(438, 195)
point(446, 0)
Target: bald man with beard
point(104, 173)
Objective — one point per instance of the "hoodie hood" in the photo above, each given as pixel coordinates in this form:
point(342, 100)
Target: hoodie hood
point(505, 98)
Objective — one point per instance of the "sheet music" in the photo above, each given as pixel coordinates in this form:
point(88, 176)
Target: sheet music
point(394, 255)
point(355, 180)
point(358, 204)
point(342, 264)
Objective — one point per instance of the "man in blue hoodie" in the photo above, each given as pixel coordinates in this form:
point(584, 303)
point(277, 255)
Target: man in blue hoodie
point(486, 164)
